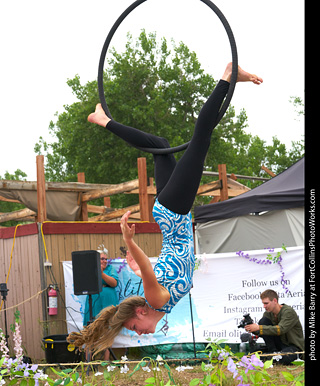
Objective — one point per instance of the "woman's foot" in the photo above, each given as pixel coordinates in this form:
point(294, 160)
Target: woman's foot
point(99, 117)
point(243, 76)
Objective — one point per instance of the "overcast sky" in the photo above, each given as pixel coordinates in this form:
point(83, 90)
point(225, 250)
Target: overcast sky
point(44, 43)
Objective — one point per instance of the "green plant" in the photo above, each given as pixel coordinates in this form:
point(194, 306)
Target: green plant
point(157, 379)
point(246, 370)
point(221, 368)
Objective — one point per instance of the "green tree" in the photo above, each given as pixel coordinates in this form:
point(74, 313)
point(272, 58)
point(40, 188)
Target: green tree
point(6, 206)
point(158, 89)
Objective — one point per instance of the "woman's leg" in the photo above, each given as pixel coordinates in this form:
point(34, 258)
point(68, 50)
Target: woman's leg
point(164, 164)
point(177, 191)
point(181, 189)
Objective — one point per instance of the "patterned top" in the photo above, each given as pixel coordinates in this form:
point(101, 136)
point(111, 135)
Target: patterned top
point(175, 265)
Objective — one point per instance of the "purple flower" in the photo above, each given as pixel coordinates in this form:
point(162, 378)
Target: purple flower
point(256, 361)
point(232, 367)
point(123, 265)
point(34, 368)
point(269, 260)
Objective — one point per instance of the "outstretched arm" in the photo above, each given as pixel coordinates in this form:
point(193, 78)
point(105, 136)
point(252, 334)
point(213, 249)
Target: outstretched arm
point(136, 254)
point(133, 264)
point(156, 295)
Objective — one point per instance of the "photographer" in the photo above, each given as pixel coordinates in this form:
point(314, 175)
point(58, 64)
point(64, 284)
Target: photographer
point(279, 327)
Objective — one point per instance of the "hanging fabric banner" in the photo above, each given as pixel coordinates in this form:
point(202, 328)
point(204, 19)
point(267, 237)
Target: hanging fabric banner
point(226, 286)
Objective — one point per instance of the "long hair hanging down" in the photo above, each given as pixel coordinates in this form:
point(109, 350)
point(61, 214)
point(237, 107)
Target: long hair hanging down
point(100, 334)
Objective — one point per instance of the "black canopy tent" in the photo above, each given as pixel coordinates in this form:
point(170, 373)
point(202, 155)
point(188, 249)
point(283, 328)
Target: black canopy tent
point(284, 191)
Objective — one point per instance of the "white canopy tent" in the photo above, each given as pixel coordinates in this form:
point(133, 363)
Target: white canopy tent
point(268, 216)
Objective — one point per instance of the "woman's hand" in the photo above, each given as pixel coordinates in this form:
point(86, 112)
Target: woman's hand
point(133, 264)
point(127, 231)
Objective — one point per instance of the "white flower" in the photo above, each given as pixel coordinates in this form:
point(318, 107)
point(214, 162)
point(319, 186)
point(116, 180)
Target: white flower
point(208, 367)
point(124, 369)
point(43, 375)
point(17, 343)
point(98, 373)
point(156, 369)
point(277, 357)
point(159, 358)
point(146, 368)
point(111, 368)
point(182, 368)
point(124, 358)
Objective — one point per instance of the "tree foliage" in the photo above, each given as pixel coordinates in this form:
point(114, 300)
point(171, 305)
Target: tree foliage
point(160, 88)
point(7, 206)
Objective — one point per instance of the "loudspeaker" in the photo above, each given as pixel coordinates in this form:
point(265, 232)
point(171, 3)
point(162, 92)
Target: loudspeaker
point(86, 269)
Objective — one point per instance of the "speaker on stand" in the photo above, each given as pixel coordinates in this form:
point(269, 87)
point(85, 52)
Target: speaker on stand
point(87, 279)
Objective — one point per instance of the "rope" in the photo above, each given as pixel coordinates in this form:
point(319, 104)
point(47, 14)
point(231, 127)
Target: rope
point(24, 301)
point(128, 362)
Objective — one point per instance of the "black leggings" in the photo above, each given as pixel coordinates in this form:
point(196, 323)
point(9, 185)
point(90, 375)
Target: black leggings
point(177, 183)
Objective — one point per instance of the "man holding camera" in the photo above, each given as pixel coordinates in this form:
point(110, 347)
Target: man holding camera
point(279, 327)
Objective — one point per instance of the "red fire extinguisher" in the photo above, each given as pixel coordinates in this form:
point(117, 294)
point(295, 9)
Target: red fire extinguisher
point(53, 301)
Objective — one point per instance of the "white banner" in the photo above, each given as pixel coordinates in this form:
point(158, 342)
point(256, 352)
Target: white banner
point(226, 286)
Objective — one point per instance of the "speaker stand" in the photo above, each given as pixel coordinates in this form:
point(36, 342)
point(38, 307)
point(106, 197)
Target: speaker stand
point(4, 292)
point(91, 319)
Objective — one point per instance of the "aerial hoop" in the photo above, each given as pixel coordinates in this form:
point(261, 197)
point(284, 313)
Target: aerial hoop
point(233, 80)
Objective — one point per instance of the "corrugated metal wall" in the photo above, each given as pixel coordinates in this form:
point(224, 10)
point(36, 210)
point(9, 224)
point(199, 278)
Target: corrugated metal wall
point(28, 276)
point(23, 283)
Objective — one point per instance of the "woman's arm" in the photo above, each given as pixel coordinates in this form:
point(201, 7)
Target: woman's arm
point(111, 281)
point(133, 264)
point(156, 295)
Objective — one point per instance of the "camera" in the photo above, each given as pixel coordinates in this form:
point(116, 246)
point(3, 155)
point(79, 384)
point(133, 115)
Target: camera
point(245, 321)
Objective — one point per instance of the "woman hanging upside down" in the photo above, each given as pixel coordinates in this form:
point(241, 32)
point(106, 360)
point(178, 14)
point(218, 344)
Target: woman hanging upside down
point(177, 185)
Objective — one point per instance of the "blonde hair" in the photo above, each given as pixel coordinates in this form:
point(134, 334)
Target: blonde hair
point(100, 334)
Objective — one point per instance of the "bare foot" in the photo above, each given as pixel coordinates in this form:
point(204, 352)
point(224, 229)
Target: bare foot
point(99, 117)
point(243, 76)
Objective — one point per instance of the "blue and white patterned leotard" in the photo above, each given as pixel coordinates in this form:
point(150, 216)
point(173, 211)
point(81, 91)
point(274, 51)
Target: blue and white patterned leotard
point(175, 265)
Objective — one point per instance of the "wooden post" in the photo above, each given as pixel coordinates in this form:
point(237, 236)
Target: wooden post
point(107, 202)
point(268, 171)
point(150, 202)
point(84, 207)
point(224, 181)
point(41, 190)
point(143, 194)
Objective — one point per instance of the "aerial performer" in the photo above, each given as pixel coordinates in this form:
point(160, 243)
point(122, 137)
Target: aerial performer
point(177, 184)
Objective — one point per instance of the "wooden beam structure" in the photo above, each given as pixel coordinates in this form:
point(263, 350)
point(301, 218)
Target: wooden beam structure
point(54, 186)
point(41, 190)
point(268, 171)
point(110, 191)
point(224, 182)
point(143, 194)
point(17, 215)
point(84, 207)
point(223, 188)
point(115, 214)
